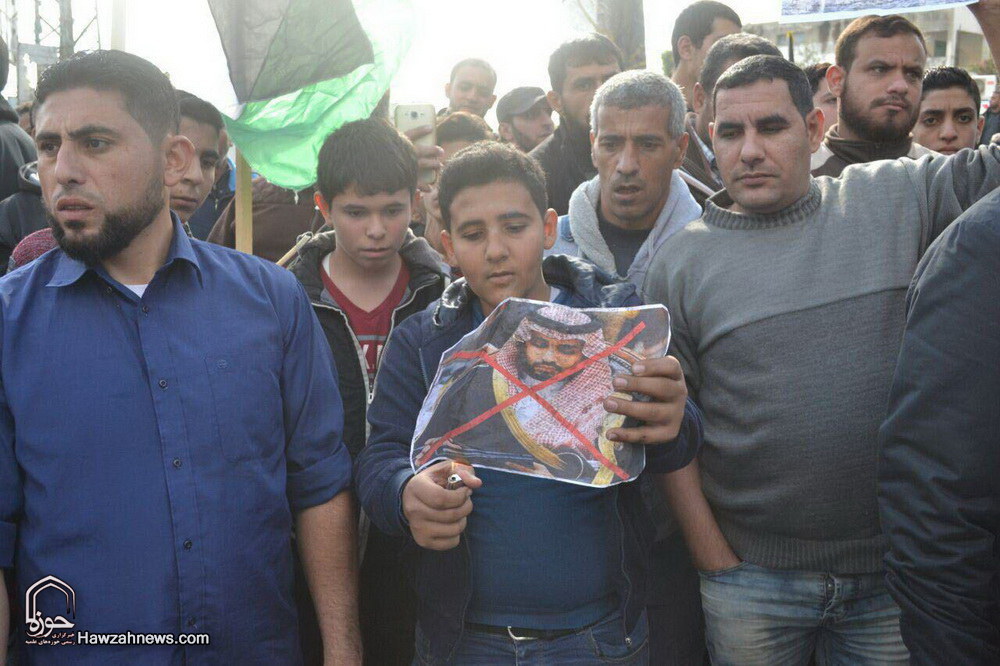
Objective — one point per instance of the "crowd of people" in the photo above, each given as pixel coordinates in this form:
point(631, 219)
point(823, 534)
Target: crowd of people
point(207, 454)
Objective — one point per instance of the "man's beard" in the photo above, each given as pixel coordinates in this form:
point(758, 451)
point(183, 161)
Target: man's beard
point(523, 141)
point(537, 372)
point(118, 230)
point(854, 116)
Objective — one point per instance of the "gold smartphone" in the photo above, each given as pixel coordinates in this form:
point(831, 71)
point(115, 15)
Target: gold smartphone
point(411, 116)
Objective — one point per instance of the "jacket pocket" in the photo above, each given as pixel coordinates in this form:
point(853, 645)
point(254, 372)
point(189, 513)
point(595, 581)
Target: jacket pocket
point(246, 397)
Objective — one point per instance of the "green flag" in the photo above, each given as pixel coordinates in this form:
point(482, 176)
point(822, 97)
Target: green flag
point(281, 137)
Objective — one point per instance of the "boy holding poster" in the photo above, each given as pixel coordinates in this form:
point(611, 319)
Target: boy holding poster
point(540, 570)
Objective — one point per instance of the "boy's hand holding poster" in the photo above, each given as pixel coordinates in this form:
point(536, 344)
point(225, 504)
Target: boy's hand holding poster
point(525, 392)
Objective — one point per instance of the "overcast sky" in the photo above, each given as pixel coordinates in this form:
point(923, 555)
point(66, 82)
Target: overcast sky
point(516, 36)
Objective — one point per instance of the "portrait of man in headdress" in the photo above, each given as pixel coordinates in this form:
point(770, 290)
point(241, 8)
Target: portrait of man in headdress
point(552, 343)
point(535, 403)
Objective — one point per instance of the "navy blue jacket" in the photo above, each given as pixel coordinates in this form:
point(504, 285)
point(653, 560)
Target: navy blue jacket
point(939, 494)
point(408, 366)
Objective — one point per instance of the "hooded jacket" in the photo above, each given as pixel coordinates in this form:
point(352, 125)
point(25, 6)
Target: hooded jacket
point(21, 213)
point(426, 285)
point(580, 236)
point(16, 149)
point(442, 581)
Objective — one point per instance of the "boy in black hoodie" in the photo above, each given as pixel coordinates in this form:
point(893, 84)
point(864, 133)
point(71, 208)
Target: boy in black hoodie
point(363, 279)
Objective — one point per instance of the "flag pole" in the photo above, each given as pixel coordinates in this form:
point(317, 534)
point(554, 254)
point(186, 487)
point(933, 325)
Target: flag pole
point(244, 205)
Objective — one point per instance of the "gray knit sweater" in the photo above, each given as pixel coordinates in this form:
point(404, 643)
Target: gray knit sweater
point(787, 327)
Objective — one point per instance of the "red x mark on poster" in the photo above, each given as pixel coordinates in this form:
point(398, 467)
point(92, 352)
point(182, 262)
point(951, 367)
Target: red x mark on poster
point(532, 392)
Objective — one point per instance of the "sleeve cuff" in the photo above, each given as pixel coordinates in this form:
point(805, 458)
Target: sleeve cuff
point(399, 482)
point(320, 482)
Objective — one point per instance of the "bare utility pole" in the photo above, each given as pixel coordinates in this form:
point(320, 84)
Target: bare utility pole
point(15, 52)
point(66, 42)
point(118, 25)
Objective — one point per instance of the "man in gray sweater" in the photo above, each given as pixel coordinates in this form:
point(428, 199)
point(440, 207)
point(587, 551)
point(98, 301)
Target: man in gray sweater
point(787, 303)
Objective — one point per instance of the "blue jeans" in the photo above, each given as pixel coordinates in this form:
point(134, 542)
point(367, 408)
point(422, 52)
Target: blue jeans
point(774, 617)
point(601, 643)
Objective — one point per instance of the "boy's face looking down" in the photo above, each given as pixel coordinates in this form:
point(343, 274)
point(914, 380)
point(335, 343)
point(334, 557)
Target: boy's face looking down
point(370, 228)
point(187, 195)
point(497, 238)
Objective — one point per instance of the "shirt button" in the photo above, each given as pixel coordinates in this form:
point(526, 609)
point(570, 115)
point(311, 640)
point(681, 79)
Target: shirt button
point(177, 462)
point(108, 289)
point(191, 622)
point(188, 544)
point(145, 309)
point(163, 383)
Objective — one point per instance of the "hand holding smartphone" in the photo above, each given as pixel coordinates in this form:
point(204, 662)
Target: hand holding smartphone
point(418, 122)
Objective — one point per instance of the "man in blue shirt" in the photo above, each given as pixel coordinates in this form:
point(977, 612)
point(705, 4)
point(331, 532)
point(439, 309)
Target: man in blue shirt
point(166, 408)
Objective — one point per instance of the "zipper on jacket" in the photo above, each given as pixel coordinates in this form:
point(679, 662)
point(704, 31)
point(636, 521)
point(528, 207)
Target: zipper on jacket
point(362, 361)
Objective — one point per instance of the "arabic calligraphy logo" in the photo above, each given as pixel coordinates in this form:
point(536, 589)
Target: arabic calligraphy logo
point(39, 626)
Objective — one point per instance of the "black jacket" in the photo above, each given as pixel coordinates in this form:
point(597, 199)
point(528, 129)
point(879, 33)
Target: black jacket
point(939, 495)
point(426, 285)
point(565, 159)
point(22, 213)
point(16, 150)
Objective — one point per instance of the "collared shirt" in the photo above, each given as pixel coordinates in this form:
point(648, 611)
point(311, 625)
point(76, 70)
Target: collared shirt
point(153, 451)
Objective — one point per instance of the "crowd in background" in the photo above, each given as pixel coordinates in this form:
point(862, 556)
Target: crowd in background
point(822, 440)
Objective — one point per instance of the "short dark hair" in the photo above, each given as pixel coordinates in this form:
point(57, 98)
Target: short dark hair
point(463, 126)
point(148, 95)
point(586, 50)
point(768, 67)
point(199, 110)
point(369, 154)
point(473, 62)
point(815, 74)
point(489, 162)
point(846, 48)
point(941, 78)
point(696, 21)
point(728, 49)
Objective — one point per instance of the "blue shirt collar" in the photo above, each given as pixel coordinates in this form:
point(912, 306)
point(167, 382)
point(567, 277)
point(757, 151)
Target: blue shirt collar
point(68, 270)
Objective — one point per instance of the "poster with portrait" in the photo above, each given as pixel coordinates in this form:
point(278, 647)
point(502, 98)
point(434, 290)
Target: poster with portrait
point(525, 391)
point(801, 11)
